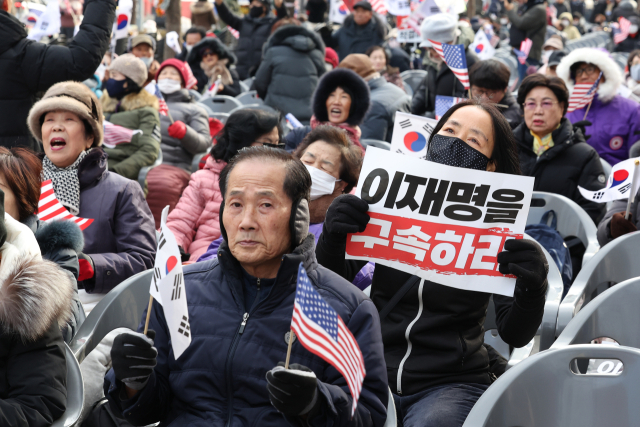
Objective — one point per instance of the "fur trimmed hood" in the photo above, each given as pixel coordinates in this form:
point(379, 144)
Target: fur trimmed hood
point(610, 70)
point(33, 293)
point(216, 46)
point(133, 101)
point(348, 81)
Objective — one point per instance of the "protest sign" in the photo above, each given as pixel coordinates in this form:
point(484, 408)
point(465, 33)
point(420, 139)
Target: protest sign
point(439, 222)
point(411, 134)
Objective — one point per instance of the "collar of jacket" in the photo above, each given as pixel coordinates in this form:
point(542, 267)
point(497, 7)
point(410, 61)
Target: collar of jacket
point(285, 279)
point(563, 137)
point(376, 83)
point(133, 101)
point(92, 168)
point(508, 100)
point(181, 95)
point(11, 31)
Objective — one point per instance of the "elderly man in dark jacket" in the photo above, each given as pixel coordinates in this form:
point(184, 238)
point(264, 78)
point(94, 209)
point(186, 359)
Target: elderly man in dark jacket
point(254, 30)
point(240, 308)
point(439, 80)
point(285, 87)
point(386, 99)
point(28, 67)
point(360, 30)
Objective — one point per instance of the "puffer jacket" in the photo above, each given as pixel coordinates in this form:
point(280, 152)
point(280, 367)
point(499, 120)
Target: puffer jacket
point(121, 241)
point(134, 111)
point(386, 100)
point(180, 152)
point(353, 38)
point(286, 88)
point(195, 220)
point(254, 32)
point(570, 163)
point(532, 24)
point(513, 112)
point(220, 378)
point(36, 298)
point(28, 67)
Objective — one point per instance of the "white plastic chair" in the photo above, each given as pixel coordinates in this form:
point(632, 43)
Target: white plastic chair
point(544, 391)
point(614, 263)
point(413, 78)
point(221, 103)
point(572, 220)
point(250, 97)
point(376, 143)
point(606, 167)
point(75, 392)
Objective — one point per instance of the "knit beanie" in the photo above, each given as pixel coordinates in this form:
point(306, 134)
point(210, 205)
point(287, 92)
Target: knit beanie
point(132, 67)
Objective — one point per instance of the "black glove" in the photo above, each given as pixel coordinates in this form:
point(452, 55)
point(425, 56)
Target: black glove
point(293, 391)
point(347, 214)
point(525, 260)
point(133, 357)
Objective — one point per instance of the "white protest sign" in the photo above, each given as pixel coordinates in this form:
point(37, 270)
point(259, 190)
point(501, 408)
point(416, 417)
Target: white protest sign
point(439, 222)
point(167, 287)
point(399, 7)
point(411, 134)
point(48, 22)
point(173, 41)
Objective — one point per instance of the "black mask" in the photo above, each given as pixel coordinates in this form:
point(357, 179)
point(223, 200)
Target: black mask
point(256, 11)
point(451, 151)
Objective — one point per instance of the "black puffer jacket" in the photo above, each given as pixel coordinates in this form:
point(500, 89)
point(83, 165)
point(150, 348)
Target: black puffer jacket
point(28, 67)
point(444, 325)
point(254, 32)
point(440, 81)
point(513, 112)
point(285, 87)
point(353, 38)
point(560, 169)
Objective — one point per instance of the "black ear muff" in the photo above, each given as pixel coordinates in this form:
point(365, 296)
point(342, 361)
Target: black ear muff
point(299, 221)
point(222, 229)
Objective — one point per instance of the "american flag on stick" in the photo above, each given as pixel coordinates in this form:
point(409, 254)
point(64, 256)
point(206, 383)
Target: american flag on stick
point(583, 94)
point(454, 57)
point(443, 103)
point(621, 30)
point(164, 109)
point(523, 53)
point(379, 6)
point(322, 332)
point(115, 135)
point(233, 32)
point(50, 208)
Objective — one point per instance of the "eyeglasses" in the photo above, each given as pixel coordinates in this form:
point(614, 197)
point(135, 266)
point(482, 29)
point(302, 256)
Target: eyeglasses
point(546, 105)
point(489, 94)
point(589, 69)
point(271, 144)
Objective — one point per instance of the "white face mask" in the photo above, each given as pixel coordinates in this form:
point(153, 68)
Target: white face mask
point(322, 183)
point(188, 47)
point(169, 85)
point(147, 61)
point(633, 29)
point(565, 23)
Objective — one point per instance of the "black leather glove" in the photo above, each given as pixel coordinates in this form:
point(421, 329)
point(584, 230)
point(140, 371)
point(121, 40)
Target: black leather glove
point(347, 214)
point(525, 260)
point(293, 391)
point(133, 357)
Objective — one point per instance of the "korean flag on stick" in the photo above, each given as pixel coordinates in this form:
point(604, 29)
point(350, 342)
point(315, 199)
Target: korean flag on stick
point(167, 287)
point(623, 183)
point(411, 134)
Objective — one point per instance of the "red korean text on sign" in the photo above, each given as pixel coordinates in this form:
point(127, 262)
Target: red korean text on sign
point(443, 248)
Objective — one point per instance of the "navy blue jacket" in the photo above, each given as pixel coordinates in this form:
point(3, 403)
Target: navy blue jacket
point(220, 378)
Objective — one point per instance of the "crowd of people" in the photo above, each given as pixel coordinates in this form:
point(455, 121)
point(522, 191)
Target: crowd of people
point(257, 192)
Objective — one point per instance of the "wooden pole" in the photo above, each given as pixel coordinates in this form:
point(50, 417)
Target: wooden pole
point(634, 182)
point(291, 337)
point(587, 112)
point(146, 323)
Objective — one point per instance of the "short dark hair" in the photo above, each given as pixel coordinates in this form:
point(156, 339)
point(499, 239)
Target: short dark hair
point(554, 84)
point(350, 154)
point(490, 74)
point(196, 30)
point(22, 169)
point(384, 51)
point(505, 151)
point(297, 181)
point(241, 130)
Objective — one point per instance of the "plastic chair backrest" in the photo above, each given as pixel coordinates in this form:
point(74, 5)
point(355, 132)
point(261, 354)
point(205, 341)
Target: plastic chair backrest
point(248, 98)
point(572, 220)
point(392, 420)
point(594, 40)
point(248, 82)
point(75, 392)
point(243, 87)
point(606, 167)
point(610, 315)
point(142, 175)
point(543, 391)
point(196, 95)
point(376, 143)
point(122, 307)
point(221, 103)
point(614, 263)
point(254, 107)
point(413, 78)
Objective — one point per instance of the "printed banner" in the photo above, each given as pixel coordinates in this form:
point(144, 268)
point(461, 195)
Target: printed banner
point(439, 222)
point(411, 134)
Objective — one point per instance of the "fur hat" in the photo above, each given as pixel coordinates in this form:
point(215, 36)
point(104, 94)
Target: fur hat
point(68, 96)
point(612, 73)
point(213, 44)
point(359, 63)
point(131, 67)
point(350, 82)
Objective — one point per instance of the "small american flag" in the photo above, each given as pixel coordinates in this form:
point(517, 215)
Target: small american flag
point(621, 30)
point(50, 208)
point(164, 109)
point(322, 332)
point(443, 103)
point(116, 135)
point(191, 79)
point(582, 94)
point(454, 57)
point(523, 53)
point(379, 6)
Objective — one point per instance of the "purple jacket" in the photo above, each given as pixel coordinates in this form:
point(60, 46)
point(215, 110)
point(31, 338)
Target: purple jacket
point(613, 127)
point(362, 279)
point(121, 241)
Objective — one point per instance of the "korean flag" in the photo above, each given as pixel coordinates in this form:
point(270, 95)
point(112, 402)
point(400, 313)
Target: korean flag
point(622, 183)
point(411, 134)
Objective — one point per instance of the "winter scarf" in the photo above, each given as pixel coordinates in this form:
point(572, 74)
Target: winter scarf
point(353, 132)
point(66, 184)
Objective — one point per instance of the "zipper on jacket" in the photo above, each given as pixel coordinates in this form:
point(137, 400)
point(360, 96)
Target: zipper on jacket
point(463, 346)
point(406, 336)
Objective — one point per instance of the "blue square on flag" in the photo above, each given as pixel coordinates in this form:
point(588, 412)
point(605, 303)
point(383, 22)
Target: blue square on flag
point(454, 55)
point(314, 307)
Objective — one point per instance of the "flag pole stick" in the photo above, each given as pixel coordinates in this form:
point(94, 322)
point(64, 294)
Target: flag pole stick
point(587, 112)
point(291, 336)
point(634, 183)
point(146, 323)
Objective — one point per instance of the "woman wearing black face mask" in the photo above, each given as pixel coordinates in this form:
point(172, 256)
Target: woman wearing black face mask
point(433, 338)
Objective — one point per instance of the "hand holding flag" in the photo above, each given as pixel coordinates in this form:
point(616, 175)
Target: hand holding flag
point(455, 58)
point(523, 53)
